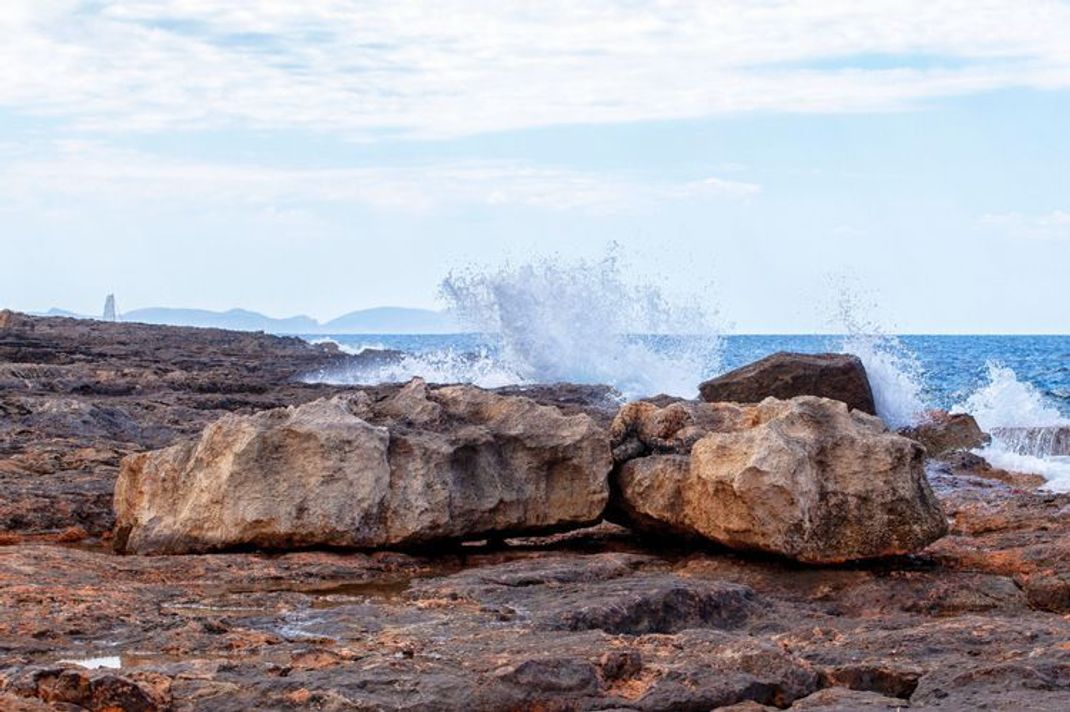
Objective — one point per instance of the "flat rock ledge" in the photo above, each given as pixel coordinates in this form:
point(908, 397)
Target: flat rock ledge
point(806, 478)
point(418, 466)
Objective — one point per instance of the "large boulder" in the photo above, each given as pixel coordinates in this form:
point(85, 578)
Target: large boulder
point(942, 433)
point(785, 375)
point(805, 478)
point(410, 467)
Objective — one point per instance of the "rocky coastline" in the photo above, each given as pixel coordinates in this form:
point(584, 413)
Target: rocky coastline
point(572, 563)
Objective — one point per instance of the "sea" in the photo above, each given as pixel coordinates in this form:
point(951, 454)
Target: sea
point(1003, 381)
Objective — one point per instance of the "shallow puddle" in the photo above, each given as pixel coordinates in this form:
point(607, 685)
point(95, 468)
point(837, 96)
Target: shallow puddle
point(108, 661)
point(345, 593)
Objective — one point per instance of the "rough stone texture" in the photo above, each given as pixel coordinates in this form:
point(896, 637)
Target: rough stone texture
point(784, 375)
point(419, 466)
point(77, 395)
point(804, 478)
point(976, 621)
point(942, 433)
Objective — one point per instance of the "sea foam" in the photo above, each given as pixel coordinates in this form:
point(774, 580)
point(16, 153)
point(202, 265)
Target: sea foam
point(585, 323)
point(1005, 401)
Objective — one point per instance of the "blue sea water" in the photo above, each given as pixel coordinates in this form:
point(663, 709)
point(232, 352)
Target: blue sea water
point(948, 368)
point(1003, 381)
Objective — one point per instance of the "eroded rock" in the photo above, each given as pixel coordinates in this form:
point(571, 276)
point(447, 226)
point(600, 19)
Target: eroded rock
point(419, 465)
point(804, 478)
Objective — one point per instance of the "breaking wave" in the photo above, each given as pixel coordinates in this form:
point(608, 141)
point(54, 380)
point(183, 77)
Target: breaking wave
point(895, 373)
point(545, 322)
point(1005, 401)
point(1023, 425)
point(586, 323)
point(449, 365)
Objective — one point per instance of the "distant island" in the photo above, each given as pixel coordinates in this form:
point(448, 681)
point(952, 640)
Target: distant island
point(378, 320)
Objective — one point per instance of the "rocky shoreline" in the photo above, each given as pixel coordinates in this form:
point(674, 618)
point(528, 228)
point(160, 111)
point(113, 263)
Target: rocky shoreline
point(596, 618)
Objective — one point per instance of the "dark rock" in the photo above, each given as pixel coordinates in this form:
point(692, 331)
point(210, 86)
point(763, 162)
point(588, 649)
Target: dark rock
point(552, 675)
point(654, 604)
point(967, 464)
point(96, 691)
point(784, 375)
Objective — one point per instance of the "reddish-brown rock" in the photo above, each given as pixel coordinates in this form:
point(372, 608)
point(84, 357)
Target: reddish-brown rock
point(595, 619)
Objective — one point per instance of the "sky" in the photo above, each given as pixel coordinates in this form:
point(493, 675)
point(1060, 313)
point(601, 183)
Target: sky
point(329, 155)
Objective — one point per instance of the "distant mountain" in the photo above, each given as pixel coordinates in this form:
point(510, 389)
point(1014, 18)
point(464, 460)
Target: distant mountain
point(392, 320)
point(62, 312)
point(380, 320)
point(236, 319)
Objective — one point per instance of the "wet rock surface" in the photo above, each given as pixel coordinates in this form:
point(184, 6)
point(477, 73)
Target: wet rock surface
point(595, 619)
point(785, 375)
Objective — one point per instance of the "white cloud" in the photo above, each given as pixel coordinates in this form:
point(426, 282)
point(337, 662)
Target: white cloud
point(455, 67)
point(79, 172)
point(1045, 226)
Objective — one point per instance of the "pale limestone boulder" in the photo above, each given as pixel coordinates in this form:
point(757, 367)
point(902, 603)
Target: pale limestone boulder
point(411, 467)
point(805, 478)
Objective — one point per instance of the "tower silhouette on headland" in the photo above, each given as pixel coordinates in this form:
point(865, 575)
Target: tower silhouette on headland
point(109, 309)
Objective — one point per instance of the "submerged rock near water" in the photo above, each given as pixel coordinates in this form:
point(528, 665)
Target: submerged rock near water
point(785, 375)
point(417, 466)
point(804, 478)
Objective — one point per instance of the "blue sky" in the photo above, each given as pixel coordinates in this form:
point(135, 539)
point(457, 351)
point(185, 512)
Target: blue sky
point(330, 155)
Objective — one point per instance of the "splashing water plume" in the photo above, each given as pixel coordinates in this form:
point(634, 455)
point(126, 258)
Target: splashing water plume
point(895, 373)
point(585, 323)
point(1006, 401)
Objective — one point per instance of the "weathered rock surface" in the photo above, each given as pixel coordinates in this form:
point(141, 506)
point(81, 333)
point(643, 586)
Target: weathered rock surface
point(784, 375)
point(942, 433)
point(77, 395)
point(976, 621)
point(422, 465)
point(803, 478)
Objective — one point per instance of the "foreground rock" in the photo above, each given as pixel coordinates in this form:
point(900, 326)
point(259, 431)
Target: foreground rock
point(419, 466)
point(595, 619)
point(784, 375)
point(942, 433)
point(804, 478)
